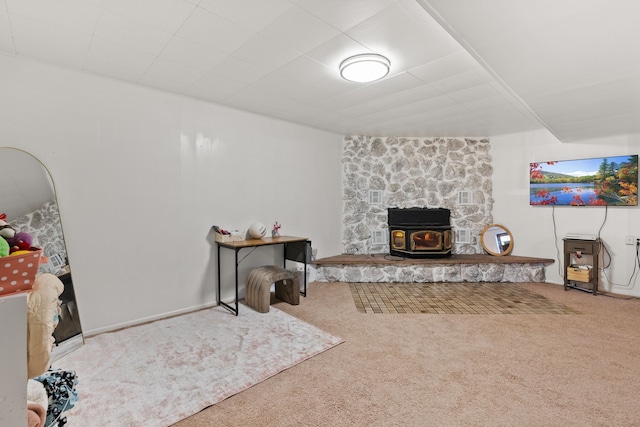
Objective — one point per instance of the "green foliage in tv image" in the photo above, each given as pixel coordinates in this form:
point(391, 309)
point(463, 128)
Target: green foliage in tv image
point(600, 181)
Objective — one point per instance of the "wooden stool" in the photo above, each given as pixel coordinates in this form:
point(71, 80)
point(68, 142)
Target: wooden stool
point(258, 290)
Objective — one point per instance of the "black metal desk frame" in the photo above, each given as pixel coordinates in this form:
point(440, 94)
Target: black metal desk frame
point(295, 249)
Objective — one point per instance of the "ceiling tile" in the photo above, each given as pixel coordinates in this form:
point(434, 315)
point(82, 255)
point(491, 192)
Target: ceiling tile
point(454, 68)
point(501, 17)
point(380, 89)
point(191, 54)
point(298, 30)
point(6, 38)
point(238, 70)
point(343, 14)
point(254, 14)
point(284, 86)
point(49, 42)
point(127, 32)
point(445, 67)
point(170, 75)
point(117, 61)
point(306, 70)
point(74, 15)
point(214, 88)
point(165, 15)
point(214, 32)
point(463, 81)
point(405, 39)
point(267, 53)
point(332, 52)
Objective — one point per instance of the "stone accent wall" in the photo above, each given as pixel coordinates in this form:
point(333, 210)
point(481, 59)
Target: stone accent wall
point(414, 172)
point(489, 272)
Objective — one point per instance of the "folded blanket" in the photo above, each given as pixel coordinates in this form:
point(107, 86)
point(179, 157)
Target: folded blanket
point(62, 394)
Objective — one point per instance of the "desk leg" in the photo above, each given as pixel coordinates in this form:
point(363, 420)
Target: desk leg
point(220, 302)
point(304, 293)
point(218, 299)
point(237, 305)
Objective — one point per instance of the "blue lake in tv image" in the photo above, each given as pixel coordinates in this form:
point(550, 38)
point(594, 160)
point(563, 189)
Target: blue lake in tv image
point(565, 193)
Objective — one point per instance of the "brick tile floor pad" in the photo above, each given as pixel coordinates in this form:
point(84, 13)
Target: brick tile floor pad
point(451, 298)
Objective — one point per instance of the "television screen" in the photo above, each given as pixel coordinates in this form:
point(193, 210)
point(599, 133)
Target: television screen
point(601, 181)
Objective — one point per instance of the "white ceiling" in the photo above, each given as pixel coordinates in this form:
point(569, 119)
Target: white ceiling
point(459, 67)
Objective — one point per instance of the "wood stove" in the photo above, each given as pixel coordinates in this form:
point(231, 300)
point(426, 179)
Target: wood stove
point(420, 232)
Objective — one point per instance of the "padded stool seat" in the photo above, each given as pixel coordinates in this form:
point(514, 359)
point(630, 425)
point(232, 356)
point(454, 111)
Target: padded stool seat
point(258, 289)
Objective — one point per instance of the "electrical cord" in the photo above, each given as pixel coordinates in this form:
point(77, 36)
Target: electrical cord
point(605, 252)
point(606, 212)
point(636, 265)
point(555, 239)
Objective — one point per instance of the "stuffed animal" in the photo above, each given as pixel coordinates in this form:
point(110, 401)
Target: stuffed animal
point(4, 248)
point(43, 309)
point(6, 230)
point(21, 241)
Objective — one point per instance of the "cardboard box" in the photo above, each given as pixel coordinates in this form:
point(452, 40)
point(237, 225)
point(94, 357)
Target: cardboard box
point(579, 274)
point(18, 272)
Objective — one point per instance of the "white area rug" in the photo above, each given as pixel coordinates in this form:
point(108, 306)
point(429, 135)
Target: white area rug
point(159, 373)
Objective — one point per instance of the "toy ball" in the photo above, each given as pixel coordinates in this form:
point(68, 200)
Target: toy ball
point(257, 230)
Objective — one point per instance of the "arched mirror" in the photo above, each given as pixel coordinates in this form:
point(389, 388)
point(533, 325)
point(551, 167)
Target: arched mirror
point(497, 240)
point(28, 198)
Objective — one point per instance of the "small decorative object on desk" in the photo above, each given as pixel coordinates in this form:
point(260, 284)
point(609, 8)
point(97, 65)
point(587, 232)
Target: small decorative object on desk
point(223, 235)
point(257, 230)
point(276, 230)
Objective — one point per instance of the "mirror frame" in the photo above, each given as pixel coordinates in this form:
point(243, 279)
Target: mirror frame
point(71, 342)
point(491, 251)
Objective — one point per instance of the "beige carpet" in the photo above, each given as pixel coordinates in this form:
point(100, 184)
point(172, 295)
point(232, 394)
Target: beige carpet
point(452, 369)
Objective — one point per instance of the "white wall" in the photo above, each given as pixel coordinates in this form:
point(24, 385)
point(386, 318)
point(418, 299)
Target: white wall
point(142, 175)
point(533, 226)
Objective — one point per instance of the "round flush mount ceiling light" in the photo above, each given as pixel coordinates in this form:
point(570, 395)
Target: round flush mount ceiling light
point(364, 68)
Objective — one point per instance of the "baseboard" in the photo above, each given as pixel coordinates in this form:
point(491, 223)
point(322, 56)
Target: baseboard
point(123, 325)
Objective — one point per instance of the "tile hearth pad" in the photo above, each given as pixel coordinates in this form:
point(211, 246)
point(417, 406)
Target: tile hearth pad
point(452, 298)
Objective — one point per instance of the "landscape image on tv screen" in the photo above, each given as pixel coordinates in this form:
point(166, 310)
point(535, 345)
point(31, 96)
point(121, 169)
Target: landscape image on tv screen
point(601, 181)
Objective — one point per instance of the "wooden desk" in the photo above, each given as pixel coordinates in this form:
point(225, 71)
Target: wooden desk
point(295, 249)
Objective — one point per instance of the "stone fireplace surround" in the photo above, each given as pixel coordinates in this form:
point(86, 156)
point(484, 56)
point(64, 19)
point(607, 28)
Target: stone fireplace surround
point(414, 172)
point(419, 172)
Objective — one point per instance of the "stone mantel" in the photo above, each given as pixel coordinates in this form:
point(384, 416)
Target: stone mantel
point(381, 268)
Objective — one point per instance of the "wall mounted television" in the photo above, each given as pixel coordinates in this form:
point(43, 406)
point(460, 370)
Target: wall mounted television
point(598, 181)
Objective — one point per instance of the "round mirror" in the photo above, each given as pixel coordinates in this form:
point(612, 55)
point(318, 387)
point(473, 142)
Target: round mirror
point(497, 240)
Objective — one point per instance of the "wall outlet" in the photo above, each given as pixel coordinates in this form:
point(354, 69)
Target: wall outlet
point(630, 240)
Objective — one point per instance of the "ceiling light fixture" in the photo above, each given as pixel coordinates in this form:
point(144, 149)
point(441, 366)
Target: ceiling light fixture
point(364, 68)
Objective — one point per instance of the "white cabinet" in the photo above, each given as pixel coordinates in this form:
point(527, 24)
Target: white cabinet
point(13, 360)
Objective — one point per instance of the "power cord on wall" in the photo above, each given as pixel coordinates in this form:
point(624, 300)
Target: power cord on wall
point(555, 235)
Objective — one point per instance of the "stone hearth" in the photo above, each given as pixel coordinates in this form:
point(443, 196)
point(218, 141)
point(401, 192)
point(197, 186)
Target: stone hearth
point(381, 268)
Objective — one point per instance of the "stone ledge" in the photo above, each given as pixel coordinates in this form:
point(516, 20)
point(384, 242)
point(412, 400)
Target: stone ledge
point(379, 268)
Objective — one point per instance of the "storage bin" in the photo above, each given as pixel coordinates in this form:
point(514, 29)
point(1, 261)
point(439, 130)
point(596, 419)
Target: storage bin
point(18, 272)
point(233, 237)
point(579, 274)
